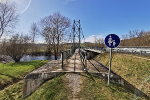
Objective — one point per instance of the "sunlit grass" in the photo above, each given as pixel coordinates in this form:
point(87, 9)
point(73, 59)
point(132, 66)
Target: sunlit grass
point(92, 88)
point(11, 71)
point(54, 89)
point(13, 92)
point(97, 89)
point(135, 70)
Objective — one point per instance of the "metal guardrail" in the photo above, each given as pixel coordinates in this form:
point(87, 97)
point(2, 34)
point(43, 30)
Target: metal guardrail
point(65, 55)
point(96, 48)
point(132, 50)
point(83, 56)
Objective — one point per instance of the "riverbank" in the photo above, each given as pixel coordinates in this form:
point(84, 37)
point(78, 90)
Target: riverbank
point(6, 59)
point(41, 53)
point(11, 73)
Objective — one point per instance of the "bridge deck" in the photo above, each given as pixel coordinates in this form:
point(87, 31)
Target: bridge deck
point(74, 63)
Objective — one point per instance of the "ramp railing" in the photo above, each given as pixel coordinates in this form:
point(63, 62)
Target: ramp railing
point(83, 56)
point(65, 55)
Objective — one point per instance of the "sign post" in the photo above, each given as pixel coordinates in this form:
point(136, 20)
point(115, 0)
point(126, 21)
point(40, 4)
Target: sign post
point(111, 41)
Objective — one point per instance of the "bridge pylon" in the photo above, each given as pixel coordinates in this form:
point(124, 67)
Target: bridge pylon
point(76, 29)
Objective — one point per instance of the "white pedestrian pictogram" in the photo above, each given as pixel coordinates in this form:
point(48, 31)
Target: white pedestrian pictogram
point(114, 43)
point(110, 41)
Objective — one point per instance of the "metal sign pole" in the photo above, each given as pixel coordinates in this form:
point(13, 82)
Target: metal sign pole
point(111, 41)
point(109, 66)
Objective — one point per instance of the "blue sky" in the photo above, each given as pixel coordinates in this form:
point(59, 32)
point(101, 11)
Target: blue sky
point(98, 17)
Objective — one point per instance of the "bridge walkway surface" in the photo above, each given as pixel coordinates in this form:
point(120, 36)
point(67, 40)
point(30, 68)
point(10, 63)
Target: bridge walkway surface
point(74, 63)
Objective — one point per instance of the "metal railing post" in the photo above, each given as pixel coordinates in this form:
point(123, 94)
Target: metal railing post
point(140, 52)
point(70, 52)
point(85, 61)
point(62, 59)
point(67, 56)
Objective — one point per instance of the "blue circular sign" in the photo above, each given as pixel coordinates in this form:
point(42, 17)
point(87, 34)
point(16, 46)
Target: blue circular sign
point(112, 40)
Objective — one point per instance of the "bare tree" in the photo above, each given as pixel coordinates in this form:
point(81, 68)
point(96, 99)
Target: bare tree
point(33, 33)
point(99, 41)
point(8, 17)
point(54, 28)
point(136, 38)
point(17, 46)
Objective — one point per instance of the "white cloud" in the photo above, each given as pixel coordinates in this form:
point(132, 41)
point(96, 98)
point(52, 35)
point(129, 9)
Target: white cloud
point(67, 1)
point(92, 38)
point(40, 42)
point(5, 37)
point(2, 1)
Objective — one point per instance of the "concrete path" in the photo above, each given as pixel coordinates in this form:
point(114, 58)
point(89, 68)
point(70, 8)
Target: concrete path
point(74, 63)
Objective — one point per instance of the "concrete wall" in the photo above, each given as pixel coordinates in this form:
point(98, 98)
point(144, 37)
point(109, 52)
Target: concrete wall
point(33, 80)
point(91, 54)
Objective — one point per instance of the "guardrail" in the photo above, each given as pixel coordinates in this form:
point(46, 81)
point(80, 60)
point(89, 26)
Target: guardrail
point(83, 56)
point(96, 48)
point(65, 56)
point(132, 50)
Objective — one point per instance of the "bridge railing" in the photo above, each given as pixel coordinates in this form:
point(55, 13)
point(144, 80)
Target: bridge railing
point(83, 56)
point(132, 50)
point(95, 48)
point(65, 55)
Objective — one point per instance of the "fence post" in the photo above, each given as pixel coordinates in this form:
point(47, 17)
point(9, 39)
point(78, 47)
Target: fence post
point(70, 52)
point(67, 56)
point(132, 52)
point(85, 61)
point(62, 59)
point(140, 52)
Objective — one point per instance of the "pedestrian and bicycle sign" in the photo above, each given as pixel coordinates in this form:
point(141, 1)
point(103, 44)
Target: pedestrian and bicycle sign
point(111, 41)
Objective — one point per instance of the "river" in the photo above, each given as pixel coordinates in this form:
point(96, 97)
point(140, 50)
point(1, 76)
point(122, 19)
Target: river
point(30, 58)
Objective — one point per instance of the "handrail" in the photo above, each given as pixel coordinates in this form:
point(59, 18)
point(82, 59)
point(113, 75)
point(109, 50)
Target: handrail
point(83, 56)
point(65, 56)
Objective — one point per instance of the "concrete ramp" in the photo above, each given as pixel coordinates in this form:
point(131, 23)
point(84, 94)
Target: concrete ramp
point(34, 79)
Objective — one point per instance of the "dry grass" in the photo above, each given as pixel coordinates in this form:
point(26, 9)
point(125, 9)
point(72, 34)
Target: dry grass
point(96, 89)
point(135, 70)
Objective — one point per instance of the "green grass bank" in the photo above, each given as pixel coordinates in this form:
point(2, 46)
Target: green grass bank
point(92, 88)
point(135, 70)
point(13, 72)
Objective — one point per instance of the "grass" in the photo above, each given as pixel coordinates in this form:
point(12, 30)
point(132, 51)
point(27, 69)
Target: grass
point(54, 89)
point(97, 89)
point(13, 92)
point(135, 70)
point(11, 72)
point(92, 88)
